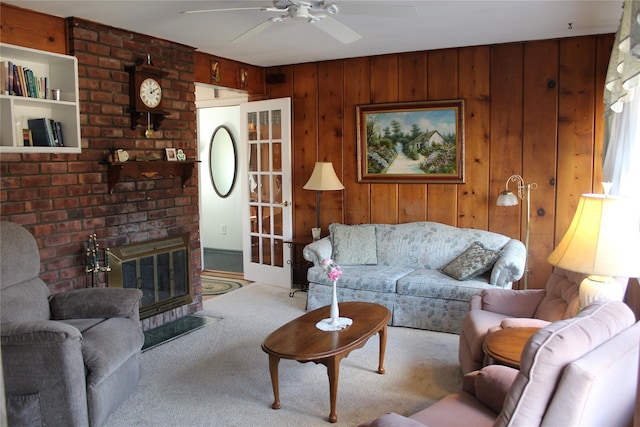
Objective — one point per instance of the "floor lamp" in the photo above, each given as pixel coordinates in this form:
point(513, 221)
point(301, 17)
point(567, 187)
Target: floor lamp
point(602, 241)
point(323, 178)
point(507, 198)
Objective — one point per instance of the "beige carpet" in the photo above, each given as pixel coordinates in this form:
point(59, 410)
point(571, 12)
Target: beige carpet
point(219, 375)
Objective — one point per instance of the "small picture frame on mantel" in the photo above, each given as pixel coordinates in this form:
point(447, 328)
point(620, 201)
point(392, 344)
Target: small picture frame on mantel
point(170, 154)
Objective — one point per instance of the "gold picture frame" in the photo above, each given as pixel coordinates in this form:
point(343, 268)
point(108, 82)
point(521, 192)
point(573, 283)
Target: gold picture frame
point(415, 142)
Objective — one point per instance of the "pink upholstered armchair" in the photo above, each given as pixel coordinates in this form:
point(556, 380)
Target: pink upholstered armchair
point(575, 372)
point(503, 308)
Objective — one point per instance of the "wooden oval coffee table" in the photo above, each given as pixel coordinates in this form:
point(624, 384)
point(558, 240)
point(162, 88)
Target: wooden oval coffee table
point(300, 340)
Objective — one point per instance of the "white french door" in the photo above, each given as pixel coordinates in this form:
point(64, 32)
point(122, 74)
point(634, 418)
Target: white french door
point(265, 132)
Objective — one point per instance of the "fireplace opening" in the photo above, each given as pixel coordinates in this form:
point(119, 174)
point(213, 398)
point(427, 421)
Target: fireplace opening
point(160, 268)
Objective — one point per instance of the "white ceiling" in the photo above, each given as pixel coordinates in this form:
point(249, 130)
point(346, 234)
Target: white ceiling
point(435, 24)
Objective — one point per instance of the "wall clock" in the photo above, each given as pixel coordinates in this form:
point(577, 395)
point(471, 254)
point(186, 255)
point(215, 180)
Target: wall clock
point(145, 95)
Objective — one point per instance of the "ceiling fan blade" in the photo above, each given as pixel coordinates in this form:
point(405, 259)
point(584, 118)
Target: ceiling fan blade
point(377, 9)
point(231, 9)
point(337, 30)
point(253, 31)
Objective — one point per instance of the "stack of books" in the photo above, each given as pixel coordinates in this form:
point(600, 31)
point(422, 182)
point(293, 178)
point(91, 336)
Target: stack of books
point(21, 81)
point(44, 132)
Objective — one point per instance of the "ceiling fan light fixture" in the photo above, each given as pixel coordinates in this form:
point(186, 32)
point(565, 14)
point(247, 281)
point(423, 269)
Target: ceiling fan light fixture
point(332, 9)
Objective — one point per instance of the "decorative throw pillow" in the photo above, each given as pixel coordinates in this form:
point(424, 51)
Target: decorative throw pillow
point(472, 262)
point(354, 244)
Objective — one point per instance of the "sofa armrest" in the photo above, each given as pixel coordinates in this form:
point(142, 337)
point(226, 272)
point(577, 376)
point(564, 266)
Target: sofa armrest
point(512, 302)
point(317, 251)
point(510, 266)
point(96, 303)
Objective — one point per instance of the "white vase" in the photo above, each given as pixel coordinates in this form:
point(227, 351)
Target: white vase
point(334, 322)
point(334, 312)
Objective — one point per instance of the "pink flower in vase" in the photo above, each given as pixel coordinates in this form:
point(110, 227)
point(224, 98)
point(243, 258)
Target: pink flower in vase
point(333, 270)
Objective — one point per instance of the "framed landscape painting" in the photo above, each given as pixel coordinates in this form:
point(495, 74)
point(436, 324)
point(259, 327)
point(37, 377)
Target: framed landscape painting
point(416, 142)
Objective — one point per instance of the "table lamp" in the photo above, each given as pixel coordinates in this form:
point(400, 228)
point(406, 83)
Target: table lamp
point(323, 178)
point(602, 241)
point(507, 198)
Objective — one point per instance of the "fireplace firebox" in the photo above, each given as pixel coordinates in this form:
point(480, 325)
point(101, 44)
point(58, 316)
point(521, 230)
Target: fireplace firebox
point(160, 268)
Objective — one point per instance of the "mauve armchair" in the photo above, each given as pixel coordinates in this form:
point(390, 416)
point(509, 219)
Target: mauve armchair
point(69, 359)
point(581, 371)
point(503, 308)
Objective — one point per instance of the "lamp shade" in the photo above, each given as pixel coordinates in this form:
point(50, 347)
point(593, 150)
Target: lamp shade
point(603, 238)
point(507, 198)
point(323, 178)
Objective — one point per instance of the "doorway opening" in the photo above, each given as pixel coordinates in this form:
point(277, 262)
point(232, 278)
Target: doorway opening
point(220, 219)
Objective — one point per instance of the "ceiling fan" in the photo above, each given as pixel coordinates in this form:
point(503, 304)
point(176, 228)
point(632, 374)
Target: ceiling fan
point(315, 12)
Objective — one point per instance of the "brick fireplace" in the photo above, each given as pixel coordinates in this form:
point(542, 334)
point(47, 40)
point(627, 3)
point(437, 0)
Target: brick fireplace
point(63, 198)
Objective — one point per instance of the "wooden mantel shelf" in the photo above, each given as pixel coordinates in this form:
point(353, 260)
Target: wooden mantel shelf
point(136, 170)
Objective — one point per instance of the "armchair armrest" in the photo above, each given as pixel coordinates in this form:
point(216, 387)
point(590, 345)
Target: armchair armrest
point(511, 302)
point(96, 303)
point(510, 265)
point(43, 373)
point(317, 251)
point(490, 385)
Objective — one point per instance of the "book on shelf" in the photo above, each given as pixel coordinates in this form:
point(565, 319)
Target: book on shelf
point(27, 138)
point(44, 132)
point(58, 130)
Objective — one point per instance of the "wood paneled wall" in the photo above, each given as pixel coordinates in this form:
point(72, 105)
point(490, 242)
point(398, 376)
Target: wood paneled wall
point(532, 108)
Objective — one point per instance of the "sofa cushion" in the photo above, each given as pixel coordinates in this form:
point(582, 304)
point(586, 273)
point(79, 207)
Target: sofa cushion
point(435, 284)
point(362, 277)
point(429, 244)
point(472, 262)
point(354, 244)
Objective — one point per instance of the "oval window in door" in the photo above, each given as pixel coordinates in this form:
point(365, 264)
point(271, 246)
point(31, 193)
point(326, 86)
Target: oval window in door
point(223, 161)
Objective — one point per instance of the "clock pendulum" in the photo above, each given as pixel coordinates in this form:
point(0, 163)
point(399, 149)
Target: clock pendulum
point(149, 132)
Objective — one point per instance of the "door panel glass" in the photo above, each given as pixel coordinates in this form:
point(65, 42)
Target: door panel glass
point(266, 220)
point(266, 250)
point(277, 188)
point(264, 156)
point(277, 221)
point(278, 253)
point(265, 197)
point(264, 125)
point(276, 124)
point(253, 188)
point(253, 157)
point(252, 126)
point(253, 219)
point(277, 157)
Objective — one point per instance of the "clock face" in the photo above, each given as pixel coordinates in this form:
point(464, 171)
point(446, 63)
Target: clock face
point(150, 93)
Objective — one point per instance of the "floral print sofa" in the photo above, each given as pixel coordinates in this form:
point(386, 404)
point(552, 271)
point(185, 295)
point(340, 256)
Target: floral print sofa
point(410, 269)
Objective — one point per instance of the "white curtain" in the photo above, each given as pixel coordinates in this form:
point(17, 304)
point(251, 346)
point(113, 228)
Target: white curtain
point(622, 101)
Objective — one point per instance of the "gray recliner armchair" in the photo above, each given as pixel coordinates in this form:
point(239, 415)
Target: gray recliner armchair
point(69, 359)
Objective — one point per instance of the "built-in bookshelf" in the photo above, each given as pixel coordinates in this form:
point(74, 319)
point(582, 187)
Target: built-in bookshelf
point(59, 72)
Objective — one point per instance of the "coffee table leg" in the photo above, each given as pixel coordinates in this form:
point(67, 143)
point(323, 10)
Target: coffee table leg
point(383, 347)
point(333, 370)
point(273, 370)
